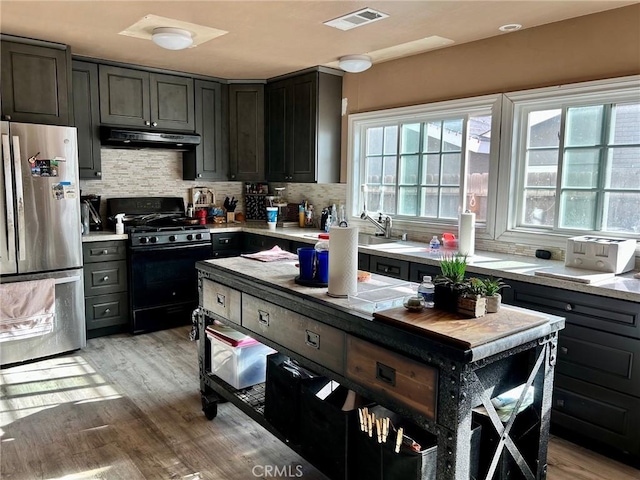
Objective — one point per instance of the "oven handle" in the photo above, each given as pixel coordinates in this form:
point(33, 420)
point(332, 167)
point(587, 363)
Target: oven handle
point(169, 247)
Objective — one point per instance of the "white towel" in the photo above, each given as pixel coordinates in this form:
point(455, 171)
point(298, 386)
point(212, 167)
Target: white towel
point(27, 309)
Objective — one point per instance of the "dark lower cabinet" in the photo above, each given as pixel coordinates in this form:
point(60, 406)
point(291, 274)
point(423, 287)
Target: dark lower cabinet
point(246, 132)
point(596, 395)
point(256, 243)
point(209, 160)
point(419, 270)
point(36, 83)
point(389, 267)
point(226, 244)
point(86, 109)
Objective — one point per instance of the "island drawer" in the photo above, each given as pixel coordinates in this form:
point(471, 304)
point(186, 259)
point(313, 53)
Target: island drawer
point(313, 340)
point(410, 382)
point(221, 300)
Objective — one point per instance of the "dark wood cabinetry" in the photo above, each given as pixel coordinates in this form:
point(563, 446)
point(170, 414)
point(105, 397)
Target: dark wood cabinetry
point(209, 160)
point(255, 243)
point(137, 98)
point(389, 267)
point(597, 389)
point(36, 87)
point(303, 128)
point(246, 132)
point(86, 108)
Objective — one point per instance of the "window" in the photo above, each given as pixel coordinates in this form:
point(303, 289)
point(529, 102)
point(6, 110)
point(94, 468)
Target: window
point(425, 163)
point(578, 163)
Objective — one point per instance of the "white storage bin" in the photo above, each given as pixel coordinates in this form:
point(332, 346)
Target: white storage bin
point(238, 359)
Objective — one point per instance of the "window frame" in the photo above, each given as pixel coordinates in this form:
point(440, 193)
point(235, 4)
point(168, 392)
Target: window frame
point(356, 147)
point(516, 106)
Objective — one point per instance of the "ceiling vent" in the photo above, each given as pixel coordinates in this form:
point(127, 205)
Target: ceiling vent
point(356, 19)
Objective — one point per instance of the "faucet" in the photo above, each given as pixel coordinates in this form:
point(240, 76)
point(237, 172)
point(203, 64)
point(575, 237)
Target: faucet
point(385, 227)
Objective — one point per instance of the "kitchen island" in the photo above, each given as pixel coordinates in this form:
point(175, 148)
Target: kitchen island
point(433, 382)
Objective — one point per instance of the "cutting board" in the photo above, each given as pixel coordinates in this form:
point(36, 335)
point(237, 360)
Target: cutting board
point(576, 275)
point(458, 329)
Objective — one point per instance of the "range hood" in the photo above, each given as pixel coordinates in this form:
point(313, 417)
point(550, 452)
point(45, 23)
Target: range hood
point(126, 138)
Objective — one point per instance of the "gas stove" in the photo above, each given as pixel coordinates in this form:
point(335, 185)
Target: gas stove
point(159, 237)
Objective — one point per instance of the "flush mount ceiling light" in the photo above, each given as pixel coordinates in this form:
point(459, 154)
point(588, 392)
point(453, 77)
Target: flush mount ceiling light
point(355, 63)
point(172, 38)
point(510, 27)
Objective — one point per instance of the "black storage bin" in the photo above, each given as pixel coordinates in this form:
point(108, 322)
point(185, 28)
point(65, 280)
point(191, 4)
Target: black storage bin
point(327, 432)
point(525, 432)
point(379, 461)
point(282, 397)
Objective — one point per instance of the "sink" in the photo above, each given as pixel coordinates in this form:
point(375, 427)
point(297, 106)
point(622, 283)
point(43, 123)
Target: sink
point(367, 239)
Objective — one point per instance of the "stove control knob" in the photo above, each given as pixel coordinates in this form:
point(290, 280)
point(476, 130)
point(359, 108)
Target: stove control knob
point(198, 236)
point(144, 240)
point(173, 238)
point(189, 237)
point(154, 239)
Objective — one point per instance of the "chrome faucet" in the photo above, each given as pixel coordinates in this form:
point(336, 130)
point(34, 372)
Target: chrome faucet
point(385, 227)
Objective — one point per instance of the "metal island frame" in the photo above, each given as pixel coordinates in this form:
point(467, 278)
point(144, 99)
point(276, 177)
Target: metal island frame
point(430, 381)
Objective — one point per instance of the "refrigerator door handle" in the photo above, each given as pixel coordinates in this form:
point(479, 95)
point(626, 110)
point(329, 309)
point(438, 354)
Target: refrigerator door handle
point(8, 188)
point(17, 165)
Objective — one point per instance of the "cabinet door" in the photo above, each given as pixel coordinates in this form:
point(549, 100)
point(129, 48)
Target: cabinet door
point(208, 160)
point(87, 118)
point(246, 132)
point(124, 96)
point(172, 105)
point(302, 124)
point(278, 136)
point(35, 84)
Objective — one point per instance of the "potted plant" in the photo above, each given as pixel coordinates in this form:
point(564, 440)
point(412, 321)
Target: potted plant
point(492, 287)
point(450, 282)
point(472, 301)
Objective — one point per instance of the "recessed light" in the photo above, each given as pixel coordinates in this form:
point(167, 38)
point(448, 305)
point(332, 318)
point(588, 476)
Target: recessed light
point(510, 27)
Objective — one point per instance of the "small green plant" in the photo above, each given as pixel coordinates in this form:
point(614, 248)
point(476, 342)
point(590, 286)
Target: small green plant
point(492, 286)
point(473, 287)
point(452, 270)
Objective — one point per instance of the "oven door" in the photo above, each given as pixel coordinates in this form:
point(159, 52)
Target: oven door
point(164, 285)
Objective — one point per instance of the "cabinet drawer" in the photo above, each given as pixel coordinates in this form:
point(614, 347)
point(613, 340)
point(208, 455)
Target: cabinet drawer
point(597, 413)
point(389, 267)
point(313, 340)
point(602, 358)
point(412, 383)
point(419, 270)
point(106, 310)
point(221, 300)
point(105, 277)
point(104, 251)
point(608, 314)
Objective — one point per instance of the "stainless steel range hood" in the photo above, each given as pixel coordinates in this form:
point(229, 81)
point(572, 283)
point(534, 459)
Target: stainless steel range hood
point(126, 138)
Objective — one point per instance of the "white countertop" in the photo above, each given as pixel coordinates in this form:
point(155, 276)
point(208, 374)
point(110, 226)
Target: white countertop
point(506, 266)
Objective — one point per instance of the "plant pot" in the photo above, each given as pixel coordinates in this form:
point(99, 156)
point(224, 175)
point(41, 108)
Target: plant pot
point(493, 303)
point(472, 306)
point(445, 297)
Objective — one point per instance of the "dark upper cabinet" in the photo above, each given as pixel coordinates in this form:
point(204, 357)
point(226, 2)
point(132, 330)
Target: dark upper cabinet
point(303, 128)
point(86, 109)
point(209, 160)
point(137, 98)
point(35, 84)
point(246, 132)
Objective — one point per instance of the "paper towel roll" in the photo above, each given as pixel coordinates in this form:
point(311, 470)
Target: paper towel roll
point(343, 261)
point(467, 233)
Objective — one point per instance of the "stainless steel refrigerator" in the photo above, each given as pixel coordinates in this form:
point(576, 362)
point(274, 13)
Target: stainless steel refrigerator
point(40, 236)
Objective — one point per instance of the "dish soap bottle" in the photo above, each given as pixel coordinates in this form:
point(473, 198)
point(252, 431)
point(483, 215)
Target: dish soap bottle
point(426, 290)
point(119, 224)
point(434, 243)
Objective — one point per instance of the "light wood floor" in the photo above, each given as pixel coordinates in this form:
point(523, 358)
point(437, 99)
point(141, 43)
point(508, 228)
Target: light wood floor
point(129, 408)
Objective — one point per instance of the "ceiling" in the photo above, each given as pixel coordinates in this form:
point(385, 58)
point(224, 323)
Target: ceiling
point(270, 38)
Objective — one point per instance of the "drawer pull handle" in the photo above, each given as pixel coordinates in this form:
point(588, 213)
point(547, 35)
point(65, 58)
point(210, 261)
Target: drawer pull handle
point(568, 307)
point(107, 311)
point(386, 374)
point(224, 241)
point(313, 340)
point(105, 252)
point(263, 318)
point(385, 269)
point(105, 278)
point(221, 299)
point(564, 350)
